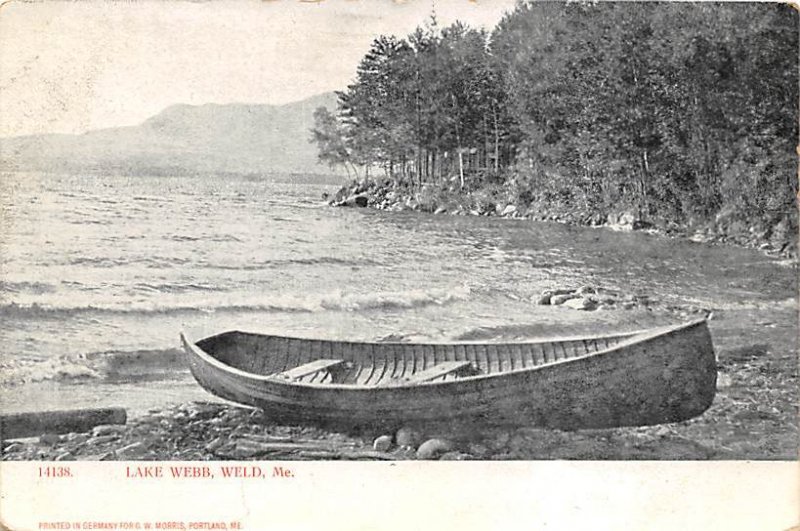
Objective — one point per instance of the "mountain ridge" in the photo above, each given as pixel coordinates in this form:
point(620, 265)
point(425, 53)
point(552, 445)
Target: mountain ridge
point(183, 138)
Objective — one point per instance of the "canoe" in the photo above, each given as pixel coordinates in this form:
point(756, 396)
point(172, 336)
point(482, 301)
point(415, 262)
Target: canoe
point(637, 378)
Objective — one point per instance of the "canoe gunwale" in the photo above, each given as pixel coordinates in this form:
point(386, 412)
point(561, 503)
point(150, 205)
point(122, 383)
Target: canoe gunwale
point(630, 339)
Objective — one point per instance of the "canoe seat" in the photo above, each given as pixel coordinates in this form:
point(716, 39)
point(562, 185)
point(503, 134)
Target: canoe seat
point(309, 369)
point(441, 369)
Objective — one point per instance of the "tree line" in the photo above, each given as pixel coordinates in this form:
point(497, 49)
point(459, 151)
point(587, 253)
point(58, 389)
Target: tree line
point(680, 111)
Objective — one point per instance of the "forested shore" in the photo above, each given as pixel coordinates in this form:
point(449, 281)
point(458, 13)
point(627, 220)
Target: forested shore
point(682, 117)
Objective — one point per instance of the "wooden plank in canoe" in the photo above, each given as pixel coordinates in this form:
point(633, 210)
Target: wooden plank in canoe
point(437, 371)
point(309, 368)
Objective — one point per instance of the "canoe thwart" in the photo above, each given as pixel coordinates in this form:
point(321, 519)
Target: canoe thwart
point(310, 368)
point(444, 368)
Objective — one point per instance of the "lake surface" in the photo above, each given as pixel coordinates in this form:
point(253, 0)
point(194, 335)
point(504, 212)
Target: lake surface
point(98, 274)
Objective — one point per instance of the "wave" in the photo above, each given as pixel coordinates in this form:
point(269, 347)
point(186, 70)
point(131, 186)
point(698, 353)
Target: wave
point(334, 301)
point(159, 262)
point(96, 261)
point(112, 366)
point(85, 221)
point(393, 300)
point(282, 262)
point(325, 260)
point(32, 286)
point(172, 287)
point(217, 238)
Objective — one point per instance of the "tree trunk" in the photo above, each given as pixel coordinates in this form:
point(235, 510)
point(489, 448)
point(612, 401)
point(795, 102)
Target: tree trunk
point(496, 141)
point(460, 165)
point(643, 181)
point(421, 166)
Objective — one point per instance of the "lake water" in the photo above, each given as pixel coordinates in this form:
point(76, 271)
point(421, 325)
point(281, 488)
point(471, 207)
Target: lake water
point(98, 274)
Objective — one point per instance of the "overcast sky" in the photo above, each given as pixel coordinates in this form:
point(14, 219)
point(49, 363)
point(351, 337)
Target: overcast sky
point(69, 67)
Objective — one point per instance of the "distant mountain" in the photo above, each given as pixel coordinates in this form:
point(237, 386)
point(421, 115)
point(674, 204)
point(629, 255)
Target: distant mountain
point(238, 138)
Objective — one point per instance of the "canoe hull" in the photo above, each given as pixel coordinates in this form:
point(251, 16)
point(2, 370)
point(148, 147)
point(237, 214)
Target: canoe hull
point(664, 376)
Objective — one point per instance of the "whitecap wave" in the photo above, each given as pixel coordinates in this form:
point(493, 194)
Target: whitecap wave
point(231, 302)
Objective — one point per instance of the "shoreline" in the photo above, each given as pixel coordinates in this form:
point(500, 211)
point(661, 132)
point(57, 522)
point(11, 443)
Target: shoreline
point(753, 416)
point(385, 194)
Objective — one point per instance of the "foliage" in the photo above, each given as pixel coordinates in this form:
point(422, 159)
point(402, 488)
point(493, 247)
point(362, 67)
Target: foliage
point(681, 112)
point(330, 139)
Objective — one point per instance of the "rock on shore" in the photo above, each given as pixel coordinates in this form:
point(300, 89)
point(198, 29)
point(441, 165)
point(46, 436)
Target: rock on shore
point(387, 194)
point(590, 298)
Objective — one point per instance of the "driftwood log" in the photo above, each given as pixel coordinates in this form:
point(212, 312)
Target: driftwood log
point(250, 447)
point(19, 425)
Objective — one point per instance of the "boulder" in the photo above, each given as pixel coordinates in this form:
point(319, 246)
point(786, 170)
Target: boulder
point(360, 200)
point(596, 219)
point(509, 210)
point(407, 436)
point(102, 439)
point(560, 291)
point(561, 299)
point(626, 218)
point(700, 237)
point(624, 221)
point(499, 441)
point(107, 429)
point(13, 447)
point(581, 303)
point(478, 450)
point(382, 443)
point(77, 438)
point(781, 233)
point(131, 451)
point(433, 448)
point(49, 439)
point(545, 298)
point(455, 456)
point(337, 198)
point(215, 444)
point(201, 411)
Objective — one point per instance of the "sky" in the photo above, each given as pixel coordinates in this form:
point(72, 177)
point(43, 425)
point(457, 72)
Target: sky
point(70, 67)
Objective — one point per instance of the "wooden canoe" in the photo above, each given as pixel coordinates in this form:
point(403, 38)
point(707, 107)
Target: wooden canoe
point(638, 378)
